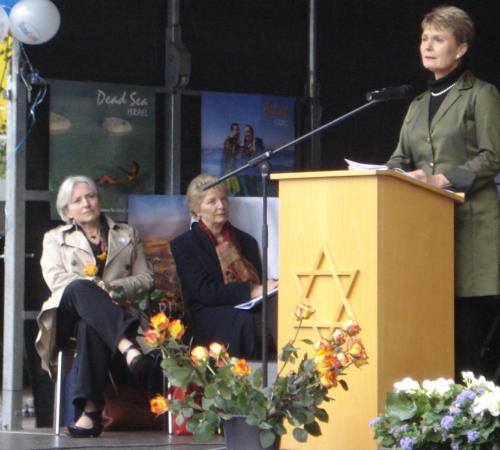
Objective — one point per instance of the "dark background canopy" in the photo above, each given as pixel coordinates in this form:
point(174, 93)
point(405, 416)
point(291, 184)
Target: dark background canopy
point(260, 46)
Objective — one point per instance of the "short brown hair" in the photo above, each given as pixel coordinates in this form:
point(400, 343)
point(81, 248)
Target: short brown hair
point(453, 19)
point(195, 193)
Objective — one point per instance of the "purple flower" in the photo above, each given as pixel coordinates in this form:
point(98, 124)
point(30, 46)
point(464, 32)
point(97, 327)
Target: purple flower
point(455, 447)
point(406, 443)
point(447, 422)
point(455, 410)
point(374, 422)
point(472, 436)
point(464, 396)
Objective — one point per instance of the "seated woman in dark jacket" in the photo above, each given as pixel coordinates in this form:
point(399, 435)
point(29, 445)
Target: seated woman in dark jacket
point(219, 267)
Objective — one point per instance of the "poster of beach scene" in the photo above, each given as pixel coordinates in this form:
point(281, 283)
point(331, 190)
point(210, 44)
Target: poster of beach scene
point(238, 127)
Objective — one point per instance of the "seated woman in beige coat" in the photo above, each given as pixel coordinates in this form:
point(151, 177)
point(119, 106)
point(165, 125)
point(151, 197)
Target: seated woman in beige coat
point(82, 308)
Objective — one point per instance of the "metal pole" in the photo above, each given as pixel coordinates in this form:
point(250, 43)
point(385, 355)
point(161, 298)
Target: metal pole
point(313, 88)
point(14, 254)
point(173, 109)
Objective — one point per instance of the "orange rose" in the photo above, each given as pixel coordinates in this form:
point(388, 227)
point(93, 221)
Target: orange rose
point(323, 347)
point(329, 379)
point(351, 327)
point(219, 353)
point(327, 362)
point(199, 355)
point(343, 359)
point(90, 270)
point(159, 321)
point(241, 368)
point(154, 338)
point(356, 351)
point(216, 350)
point(102, 256)
point(176, 329)
point(304, 311)
point(158, 405)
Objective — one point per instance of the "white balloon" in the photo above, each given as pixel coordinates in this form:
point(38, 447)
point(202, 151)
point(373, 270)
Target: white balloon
point(34, 21)
point(4, 24)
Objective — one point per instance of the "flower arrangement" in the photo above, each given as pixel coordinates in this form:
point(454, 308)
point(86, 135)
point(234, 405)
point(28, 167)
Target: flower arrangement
point(440, 413)
point(229, 388)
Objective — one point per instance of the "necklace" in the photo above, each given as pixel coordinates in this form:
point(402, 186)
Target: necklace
point(436, 94)
point(94, 237)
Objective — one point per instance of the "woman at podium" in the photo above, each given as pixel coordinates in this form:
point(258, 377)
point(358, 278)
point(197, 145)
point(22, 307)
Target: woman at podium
point(219, 267)
point(450, 138)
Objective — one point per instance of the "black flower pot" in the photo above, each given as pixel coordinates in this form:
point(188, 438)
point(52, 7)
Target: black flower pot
point(241, 436)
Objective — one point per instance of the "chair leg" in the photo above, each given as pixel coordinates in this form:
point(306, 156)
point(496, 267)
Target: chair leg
point(58, 393)
point(167, 420)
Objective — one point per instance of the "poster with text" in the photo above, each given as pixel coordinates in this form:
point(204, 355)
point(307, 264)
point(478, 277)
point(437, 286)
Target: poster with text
point(238, 127)
point(106, 132)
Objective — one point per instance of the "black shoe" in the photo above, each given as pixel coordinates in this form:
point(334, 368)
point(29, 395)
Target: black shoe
point(79, 432)
point(142, 365)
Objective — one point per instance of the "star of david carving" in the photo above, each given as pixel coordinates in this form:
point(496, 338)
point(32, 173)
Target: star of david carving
point(344, 290)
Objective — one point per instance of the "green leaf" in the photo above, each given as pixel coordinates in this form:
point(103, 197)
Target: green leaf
point(400, 406)
point(257, 377)
point(279, 428)
point(267, 438)
point(157, 295)
point(344, 385)
point(187, 412)
point(210, 391)
point(143, 305)
point(179, 420)
point(313, 428)
point(321, 414)
point(177, 375)
point(299, 435)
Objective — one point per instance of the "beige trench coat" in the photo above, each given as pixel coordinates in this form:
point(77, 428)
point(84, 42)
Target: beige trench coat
point(463, 143)
point(66, 251)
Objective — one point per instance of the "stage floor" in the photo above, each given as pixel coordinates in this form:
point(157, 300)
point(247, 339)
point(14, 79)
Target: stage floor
point(43, 439)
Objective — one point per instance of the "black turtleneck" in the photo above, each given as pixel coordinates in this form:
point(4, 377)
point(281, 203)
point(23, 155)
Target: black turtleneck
point(440, 88)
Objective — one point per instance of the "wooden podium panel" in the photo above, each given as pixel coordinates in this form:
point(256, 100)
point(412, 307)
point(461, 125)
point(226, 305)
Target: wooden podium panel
point(377, 247)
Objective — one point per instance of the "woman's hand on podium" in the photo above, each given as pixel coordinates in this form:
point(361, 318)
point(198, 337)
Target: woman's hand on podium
point(438, 180)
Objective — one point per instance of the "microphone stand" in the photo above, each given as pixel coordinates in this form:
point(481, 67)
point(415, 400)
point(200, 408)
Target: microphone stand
point(263, 161)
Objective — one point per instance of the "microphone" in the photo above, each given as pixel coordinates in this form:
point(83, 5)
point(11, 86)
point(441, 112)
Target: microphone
point(391, 93)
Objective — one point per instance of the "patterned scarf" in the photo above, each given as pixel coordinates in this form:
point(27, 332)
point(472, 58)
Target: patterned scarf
point(234, 266)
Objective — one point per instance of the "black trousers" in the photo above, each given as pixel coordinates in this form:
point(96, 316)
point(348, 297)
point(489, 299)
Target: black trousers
point(477, 336)
point(87, 313)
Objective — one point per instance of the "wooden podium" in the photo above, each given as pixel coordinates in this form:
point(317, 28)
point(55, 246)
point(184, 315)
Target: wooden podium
point(376, 246)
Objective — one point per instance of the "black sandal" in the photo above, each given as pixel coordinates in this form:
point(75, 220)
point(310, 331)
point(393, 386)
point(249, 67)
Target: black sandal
point(80, 432)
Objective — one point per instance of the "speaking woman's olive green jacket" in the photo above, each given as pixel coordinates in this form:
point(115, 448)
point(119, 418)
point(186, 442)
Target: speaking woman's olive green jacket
point(463, 143)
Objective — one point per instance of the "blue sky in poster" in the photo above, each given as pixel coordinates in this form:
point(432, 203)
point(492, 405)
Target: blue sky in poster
point(272, 118)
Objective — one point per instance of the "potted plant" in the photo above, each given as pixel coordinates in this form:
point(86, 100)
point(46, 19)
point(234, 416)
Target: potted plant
point(440, 414)
point(226, 388)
